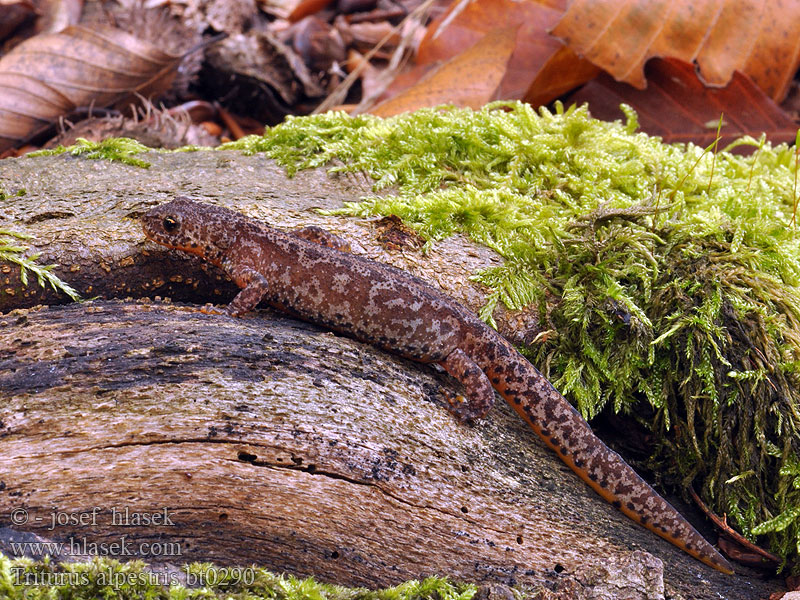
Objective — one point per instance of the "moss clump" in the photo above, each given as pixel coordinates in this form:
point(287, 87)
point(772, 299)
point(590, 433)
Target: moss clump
point(115, 149)
point(23, 579)
point(666, 276)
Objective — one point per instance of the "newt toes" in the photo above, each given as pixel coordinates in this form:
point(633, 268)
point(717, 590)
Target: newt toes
point(397, 312)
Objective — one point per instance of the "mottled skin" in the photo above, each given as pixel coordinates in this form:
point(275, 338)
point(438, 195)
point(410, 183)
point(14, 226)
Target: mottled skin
point(391, 309)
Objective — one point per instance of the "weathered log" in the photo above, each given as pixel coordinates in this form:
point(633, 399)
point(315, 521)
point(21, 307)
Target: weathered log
point(270, 441)
point(84, 214)
point(267, 440)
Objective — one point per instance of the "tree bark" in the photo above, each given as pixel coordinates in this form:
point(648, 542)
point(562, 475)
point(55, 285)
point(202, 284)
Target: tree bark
point(266, 440)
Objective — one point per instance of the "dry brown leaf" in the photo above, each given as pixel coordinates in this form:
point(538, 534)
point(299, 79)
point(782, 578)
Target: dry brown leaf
point(470, 79)
point(57, 15)
point(367, 35)
point(562, 72)
point(406, 79)
point(541, 67)
point(370, 76)
point(318, 43)
point(758, 38)
point(51, 75)
point(677, 106)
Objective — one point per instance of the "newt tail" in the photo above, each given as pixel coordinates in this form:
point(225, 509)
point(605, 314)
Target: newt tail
point(562, 428)
point(393, 310)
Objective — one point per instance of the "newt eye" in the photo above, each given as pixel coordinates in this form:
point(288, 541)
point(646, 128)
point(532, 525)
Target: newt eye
point(170, 224)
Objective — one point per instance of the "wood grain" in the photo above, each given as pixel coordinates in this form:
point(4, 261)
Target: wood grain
point(269, 441)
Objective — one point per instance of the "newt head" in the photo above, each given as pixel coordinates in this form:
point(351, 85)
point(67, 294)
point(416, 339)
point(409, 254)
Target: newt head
point(189, 226)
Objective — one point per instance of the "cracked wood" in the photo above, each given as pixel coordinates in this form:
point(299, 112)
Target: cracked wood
point(247, 431)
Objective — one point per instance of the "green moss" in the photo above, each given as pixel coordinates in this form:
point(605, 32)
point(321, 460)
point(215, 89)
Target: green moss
point(115, 149)
point(23, 579)
point(666, 276)
point(12, 252)
point(18, 194)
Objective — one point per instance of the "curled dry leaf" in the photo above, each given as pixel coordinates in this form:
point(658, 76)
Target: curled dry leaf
point(367, 35)
point(318, 44)
point(52, 75)
point(541, 68)
point(760, 39)
point(292, 10)
point(260, 76)
point(470, 79)
point(677, 106)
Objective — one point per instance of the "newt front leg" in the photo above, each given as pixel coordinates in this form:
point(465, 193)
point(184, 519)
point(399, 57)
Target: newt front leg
point(254, 287)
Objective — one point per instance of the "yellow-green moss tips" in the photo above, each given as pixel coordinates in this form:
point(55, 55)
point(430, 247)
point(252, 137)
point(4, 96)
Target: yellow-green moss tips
point(12, 251)
point(116, 149)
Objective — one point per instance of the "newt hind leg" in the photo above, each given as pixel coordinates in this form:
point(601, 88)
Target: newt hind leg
point(480, 392)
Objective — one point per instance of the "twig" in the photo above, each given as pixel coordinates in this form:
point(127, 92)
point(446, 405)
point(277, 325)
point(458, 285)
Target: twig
point(338, 95)
point(714, 159)
point(794, 191)
point(730, 532)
